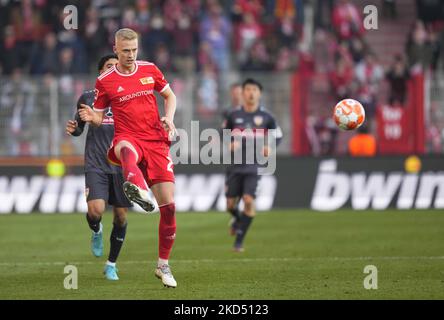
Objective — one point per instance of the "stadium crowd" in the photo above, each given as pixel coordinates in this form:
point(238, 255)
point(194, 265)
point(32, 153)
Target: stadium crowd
point(178, 35)
point(209, 38)
point(354, 68)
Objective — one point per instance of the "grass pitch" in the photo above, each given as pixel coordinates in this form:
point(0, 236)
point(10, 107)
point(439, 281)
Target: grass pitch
point(289, 255)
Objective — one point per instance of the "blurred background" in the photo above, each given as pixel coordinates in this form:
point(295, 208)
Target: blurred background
point(309, 54)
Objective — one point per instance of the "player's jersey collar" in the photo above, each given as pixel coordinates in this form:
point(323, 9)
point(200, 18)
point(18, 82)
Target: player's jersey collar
point(259, 108)
point(126, 75)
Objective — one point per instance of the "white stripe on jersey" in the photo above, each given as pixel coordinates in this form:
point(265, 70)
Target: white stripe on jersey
point(106, 73)
point(144, 63)
point(164, 88)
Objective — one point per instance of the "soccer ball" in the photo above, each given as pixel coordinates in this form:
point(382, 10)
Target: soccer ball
point(349, 114)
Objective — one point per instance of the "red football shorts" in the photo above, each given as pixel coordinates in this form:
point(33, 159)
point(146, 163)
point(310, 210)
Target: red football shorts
point(153, 159)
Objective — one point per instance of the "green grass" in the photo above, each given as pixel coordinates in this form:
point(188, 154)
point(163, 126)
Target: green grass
point(289, 255)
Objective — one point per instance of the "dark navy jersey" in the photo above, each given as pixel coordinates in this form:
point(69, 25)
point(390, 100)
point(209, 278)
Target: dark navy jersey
point(226, 112)
point(98, 139)
point(238, 121)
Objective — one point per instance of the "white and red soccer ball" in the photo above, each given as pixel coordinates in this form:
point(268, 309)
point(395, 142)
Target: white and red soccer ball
point(349, 114)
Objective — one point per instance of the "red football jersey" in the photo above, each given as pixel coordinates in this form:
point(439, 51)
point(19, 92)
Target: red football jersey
point(132, 100)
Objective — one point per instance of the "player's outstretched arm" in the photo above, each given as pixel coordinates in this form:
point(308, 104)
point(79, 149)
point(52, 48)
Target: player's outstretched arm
point(87, 114)
point(170, 110)
point(75, 127)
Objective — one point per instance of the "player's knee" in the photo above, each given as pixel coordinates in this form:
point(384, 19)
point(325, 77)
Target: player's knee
point(231, 204)
point(230, 207)
point(248, 205)
point(124, 145)
point(248, 200)
point(95, 210)
point(120, 221)
point(120, 216)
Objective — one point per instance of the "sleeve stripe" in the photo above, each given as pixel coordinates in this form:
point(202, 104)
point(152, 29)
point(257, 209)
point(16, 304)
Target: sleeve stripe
point(99, 110)
point(106, 73)
point(144, 63)
point(164, 88)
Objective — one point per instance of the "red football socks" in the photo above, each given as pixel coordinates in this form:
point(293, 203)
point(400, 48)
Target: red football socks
point(167, 229)
point(131, 171)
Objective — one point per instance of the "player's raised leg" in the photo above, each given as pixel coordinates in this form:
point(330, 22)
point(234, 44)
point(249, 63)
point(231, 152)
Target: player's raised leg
point(116, 240)
point(135, 186)
point(164, 193)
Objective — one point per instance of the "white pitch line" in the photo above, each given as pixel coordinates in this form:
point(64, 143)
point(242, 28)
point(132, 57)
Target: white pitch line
point(241, 260)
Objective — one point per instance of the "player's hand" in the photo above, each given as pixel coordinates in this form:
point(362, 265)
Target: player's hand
point(266, 151)
point(71, 126)
point(235, 145)
point(168, 125)
point(86, 113)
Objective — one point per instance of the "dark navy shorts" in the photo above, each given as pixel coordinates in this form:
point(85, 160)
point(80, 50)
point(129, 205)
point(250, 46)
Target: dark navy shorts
point(239, 184)
point(107, 187)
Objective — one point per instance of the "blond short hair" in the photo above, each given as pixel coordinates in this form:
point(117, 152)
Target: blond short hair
point(125, 34)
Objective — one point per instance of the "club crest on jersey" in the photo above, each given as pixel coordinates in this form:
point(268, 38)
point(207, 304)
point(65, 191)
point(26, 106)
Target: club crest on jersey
point(147, 80)
point(258, 120)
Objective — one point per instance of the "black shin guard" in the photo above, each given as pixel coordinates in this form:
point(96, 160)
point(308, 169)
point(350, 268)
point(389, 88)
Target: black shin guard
point(235, 213)
point(117, 236)
point(94, 225)
point(244, 224)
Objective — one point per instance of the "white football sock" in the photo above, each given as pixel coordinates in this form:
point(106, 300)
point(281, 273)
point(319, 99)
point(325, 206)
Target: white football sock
point(112, 264)
point(161, 262)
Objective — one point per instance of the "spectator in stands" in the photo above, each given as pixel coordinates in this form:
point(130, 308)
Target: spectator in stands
point(341, 79)
point(28, 28)
point(143, 15)
point(95, 36)
point(252, 7)
point(321, 12)
point(287, 31)
point(347, 21)
point(162, 58)
point(369, 74)
point(397, 77)
point(419, 48)
point(286, 60)
point(258, 58)
point(358, 49)
point(327, 133)
point(207, 92)
point(17, 102)
point(205, 57)
point(247, 33)
point(436, 48)
point(44, 56)
point(129, 19)
point(8, 51)
point(184, 46)
point(155, 36)
point(235, 99)
point(363, 144)
point(215, 29)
